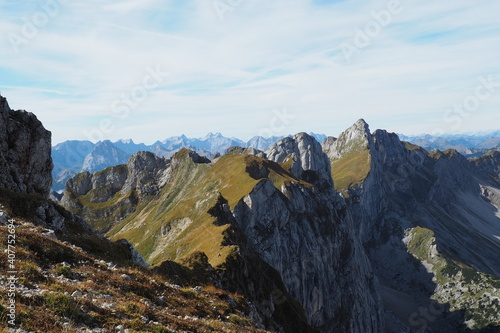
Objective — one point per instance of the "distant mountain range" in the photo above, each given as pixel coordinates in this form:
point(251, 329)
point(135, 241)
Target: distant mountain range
point(473, 145)
point(72, 157)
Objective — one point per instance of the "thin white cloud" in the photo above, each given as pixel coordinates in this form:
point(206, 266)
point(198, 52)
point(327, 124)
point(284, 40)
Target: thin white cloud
point(263, 55)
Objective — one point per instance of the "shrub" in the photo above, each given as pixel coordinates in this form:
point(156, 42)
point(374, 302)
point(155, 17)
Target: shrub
point(240, 321)
point(64, 270)
point(31, 272)
point(189, 293)
point(61, 304)
point(136, 324)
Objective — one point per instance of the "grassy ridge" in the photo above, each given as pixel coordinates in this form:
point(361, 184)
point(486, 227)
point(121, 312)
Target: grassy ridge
point(193, 190)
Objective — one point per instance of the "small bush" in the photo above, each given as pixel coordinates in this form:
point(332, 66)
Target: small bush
point(61, 304)
point(240, 321)
point(64, 271)
point(32, 272)
point(189, 293)
point(136, 324)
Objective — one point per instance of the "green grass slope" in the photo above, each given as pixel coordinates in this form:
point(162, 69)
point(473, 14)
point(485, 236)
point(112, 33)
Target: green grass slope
point(464, 288)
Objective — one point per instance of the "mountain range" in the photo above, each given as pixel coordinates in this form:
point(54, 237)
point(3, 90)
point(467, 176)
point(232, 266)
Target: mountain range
point(72, 157)
point(362, 233)
point(418, 230)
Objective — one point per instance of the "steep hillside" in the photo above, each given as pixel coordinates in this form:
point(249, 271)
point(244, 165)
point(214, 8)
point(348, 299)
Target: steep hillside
point(463, 288)
point(276, 223)
point(396, 187)
point(65, 288)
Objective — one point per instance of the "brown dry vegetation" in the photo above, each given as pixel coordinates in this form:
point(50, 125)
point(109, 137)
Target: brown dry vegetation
point(141, 300)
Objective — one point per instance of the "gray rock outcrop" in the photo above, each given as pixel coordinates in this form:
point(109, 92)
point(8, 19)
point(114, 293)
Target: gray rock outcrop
point(355, 138)
point(308, 162)
point(306, 234)
point(143, 175)
point(409, 187)
point(25, 147)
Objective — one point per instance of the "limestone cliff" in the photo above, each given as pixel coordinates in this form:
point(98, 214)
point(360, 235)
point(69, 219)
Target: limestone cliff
point(306, 234)
point(25, 146)
point(393, 187)
point(25, 182)
point(108, 196)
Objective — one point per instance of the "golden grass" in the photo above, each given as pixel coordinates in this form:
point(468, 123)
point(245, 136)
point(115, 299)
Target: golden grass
point(351, 169)
point(133, 297)
point(194, 189)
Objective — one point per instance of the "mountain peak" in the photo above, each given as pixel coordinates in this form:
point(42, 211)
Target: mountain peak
point(4, 105)
point(127, 141)
point(309, 161)
point(212, 135)
point(355, 138)
point(104, 143)
point(360, 126)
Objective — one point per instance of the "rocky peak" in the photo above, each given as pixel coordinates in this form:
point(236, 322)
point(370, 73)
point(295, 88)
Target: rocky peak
point(25, 147)
point(490, 164)
point(355, 138)
point(145, 161)
point(309, 163)
point(461, 177)
point(235, 150)
point(103, 155)
point(146, 173)
point(185, 154)
point(307, 236)
point(3, 103)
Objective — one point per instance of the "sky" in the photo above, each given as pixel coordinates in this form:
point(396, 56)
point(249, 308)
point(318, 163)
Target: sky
point(151, 69)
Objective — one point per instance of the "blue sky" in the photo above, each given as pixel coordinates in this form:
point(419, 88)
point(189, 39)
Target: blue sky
point(250, 67)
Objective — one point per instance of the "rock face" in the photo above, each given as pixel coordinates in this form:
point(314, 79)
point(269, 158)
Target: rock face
point(25, 146)
point(490, 164)
point(143, 175)
point(405, 187)
point(354, 139)
point(305, 233)
point(306, 157)
point(25, 182)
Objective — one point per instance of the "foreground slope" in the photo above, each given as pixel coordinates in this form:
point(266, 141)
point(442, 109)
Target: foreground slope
point(272, 225)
